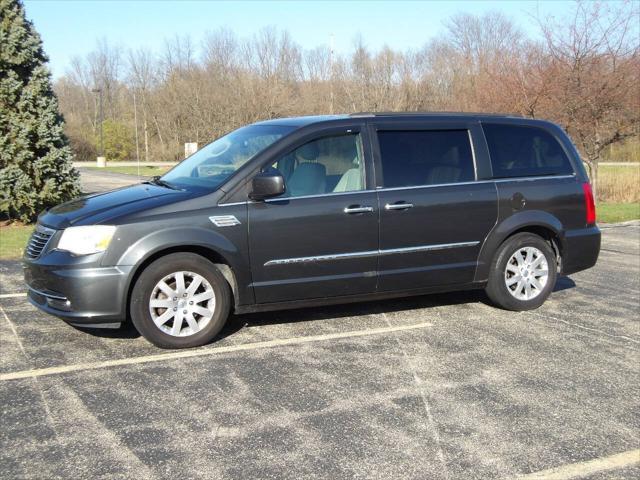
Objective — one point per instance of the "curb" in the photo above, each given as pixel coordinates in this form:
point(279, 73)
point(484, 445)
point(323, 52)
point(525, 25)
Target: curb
point(628, 223)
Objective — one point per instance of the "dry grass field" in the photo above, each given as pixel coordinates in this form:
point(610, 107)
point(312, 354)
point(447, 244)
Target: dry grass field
point(627, 151)
point(619, 184)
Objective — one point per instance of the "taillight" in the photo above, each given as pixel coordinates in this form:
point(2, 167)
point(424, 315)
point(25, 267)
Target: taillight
point(589, 203)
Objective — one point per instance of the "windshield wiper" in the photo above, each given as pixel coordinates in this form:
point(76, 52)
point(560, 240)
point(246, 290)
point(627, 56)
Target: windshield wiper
point(163, 183)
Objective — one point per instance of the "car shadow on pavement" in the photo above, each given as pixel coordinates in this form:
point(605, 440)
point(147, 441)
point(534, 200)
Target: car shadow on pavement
point(310, 314)
point(238, 322)
point(374, 307)
point(378, 306)
point(127, 330)
point(564, 283)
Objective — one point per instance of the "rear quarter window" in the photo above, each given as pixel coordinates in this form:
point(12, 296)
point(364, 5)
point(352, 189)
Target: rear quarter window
point(524, 151)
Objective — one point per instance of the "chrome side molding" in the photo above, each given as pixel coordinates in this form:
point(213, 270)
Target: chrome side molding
point(369, 253)
point(428, 248)
point(321, 258)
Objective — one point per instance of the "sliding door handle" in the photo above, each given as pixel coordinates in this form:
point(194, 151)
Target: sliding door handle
point(398, 206)
point(358, 209)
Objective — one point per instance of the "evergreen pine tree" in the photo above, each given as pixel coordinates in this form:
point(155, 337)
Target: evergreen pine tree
point(35, 159)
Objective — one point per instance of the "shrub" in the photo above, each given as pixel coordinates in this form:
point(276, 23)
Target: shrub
point(119, 143)
point(35, 159)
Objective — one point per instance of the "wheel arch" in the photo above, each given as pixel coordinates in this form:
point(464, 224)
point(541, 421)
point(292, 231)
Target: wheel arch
point(539, 223)
point(214, 256)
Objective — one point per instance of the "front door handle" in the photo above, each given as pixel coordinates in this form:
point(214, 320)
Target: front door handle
point(398, 206)
point(357, 209)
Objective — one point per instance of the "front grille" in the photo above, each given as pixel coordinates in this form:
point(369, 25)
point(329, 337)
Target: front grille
point(39, 239)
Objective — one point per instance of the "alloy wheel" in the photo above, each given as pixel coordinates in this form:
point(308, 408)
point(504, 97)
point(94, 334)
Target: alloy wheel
point(526, 273)
point(182, 304)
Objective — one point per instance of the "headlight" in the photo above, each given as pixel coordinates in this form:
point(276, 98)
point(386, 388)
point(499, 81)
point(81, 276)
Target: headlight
point(86, 240)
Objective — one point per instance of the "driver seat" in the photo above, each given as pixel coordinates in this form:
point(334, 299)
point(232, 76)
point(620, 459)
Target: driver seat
point(308, 179)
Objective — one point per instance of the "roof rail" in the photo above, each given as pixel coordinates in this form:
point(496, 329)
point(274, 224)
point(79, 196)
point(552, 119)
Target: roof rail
point(408, 114)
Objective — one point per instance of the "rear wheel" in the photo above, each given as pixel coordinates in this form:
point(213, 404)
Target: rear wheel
point(180, 300)
point(523, 273)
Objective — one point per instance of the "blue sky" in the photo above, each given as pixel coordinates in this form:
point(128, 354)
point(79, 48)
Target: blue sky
point(71, 28)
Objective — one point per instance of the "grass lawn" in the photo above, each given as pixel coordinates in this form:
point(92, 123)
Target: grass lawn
point(617, 212)
point(145, 171)
point(13, 239)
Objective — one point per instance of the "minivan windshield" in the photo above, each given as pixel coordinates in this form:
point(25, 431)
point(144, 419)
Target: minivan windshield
point(210, 166)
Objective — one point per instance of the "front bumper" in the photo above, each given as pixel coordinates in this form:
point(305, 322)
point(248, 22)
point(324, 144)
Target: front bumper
point(77, 289)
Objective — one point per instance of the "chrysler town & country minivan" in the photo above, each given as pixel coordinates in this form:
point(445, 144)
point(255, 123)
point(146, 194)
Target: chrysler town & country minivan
point(306, 211)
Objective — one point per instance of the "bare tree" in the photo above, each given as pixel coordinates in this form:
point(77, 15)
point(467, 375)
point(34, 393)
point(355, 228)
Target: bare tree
point(482, 40)
point(179, 54)
point(317, 64)
point(105, 70)
point(585, 75)
point(595, 60)
point(221, 50)
point(142, 74)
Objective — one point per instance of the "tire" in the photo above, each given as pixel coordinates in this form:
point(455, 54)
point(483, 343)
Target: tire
point(191, 301)
point(510, 273)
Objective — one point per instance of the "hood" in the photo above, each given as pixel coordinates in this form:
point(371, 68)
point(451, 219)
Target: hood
point(101, 207)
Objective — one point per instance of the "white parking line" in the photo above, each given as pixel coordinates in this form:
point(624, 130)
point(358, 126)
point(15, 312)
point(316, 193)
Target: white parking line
point(12, 295)
point(583, 469)
point(40, 372)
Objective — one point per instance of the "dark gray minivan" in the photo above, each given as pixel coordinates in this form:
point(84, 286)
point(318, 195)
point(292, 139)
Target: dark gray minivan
point(298, 212)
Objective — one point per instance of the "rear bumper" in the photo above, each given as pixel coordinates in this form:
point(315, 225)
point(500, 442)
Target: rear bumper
point(581, 249)
point(78, 292)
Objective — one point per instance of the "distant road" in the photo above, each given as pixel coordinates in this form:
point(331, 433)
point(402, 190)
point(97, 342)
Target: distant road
point(99, 181)
point(619, 164)
point(125, 164)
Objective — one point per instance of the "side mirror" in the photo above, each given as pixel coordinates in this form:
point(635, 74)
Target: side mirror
point(266, 185)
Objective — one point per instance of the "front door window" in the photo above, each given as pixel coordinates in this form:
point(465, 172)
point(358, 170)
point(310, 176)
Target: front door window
point(331, 164)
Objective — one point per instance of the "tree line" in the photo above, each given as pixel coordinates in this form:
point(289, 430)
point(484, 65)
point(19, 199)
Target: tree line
point(581, 71)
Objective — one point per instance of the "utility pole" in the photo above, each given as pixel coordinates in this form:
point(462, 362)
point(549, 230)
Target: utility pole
point(135, 120)
point(101, 160)
point(331, 67)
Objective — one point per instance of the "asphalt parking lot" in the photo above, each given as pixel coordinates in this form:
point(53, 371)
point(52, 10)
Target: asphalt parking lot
point(433, 387)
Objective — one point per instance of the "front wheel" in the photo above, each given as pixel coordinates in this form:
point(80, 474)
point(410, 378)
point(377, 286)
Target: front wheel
point(523, 273)
point(180, 300)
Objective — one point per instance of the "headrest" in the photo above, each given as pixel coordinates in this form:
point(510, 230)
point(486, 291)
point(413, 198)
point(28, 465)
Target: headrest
point(309, 168)
point(351, 151)
point(451, 158)
point(308, 152)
